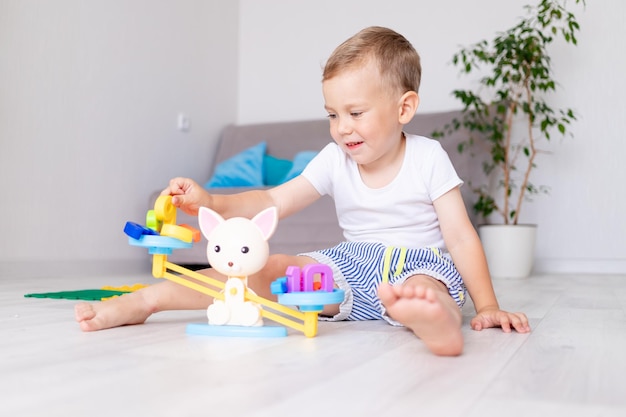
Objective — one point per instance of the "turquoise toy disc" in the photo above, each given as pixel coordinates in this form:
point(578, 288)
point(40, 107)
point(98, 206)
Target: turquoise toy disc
point(150, 241)
point(311, 298)
point(203, 329)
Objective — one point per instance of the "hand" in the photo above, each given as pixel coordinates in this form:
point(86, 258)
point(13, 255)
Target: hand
point(497, 318)
point(187, 195)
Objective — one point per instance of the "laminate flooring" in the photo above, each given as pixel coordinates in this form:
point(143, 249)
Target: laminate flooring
point(573, 362)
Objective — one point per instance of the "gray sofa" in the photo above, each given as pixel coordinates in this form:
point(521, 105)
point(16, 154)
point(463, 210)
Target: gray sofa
point(316, 226)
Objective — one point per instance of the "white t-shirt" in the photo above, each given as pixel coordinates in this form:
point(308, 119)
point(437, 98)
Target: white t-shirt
point(401, 214)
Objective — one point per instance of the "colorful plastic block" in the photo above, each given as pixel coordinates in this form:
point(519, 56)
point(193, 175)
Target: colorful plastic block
point(165, 210)
point(135, 230)
point(279, 286)
point(127, 288)
point(305, 280)
point(196, 235)
point(152, 222)
point(177, 232)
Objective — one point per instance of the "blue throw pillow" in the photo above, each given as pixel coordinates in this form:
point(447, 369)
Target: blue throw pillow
point(300, 161)
point(275, 169)
point(242, 170)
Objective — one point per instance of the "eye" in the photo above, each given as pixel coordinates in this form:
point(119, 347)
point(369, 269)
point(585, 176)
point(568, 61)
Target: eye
point(217, 248)
point(245, 249)
point(332, 116)
point(356, 113)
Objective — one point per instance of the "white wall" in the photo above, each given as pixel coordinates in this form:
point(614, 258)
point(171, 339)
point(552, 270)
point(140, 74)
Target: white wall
point(582, 224)
point(89, 95)
point(90, 90)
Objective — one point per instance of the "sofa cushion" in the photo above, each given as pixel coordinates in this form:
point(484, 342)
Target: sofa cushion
point(275, 169)
point(240, 170)
point(300, 161)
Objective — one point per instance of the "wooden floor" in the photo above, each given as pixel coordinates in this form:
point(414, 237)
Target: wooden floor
point(573, 363)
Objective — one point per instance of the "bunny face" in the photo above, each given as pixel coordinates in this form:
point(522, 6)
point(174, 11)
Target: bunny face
point(237, 247)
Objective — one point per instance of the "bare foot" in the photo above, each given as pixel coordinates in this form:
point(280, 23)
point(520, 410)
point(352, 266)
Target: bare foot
point(128, 309)
point(423, 310)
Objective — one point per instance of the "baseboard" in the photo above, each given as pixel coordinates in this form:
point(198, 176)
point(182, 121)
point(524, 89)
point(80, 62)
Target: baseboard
point(50, 269)
point(579, 266)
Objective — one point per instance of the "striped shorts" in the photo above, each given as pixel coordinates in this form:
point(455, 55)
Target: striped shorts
point(359, 268)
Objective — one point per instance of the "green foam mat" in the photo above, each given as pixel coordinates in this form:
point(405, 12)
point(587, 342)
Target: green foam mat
point(92, 295)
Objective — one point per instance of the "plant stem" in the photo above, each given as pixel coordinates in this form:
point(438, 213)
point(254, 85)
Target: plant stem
point(531, 156)
point(506, 164)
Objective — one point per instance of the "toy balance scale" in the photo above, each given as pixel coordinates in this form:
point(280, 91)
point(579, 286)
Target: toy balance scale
point(309, 289)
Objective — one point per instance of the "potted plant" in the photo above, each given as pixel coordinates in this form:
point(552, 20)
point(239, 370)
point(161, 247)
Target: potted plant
point(507, 116)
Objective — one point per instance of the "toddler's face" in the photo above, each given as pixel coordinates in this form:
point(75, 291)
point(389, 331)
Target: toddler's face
point(364, 117)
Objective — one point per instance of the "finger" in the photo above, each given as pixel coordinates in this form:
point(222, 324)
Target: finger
point(520, 323)
point(476, 324)
point(179, 185)
point(178, 200)
point(172, 188)
point(505, 323)
point(171, 191)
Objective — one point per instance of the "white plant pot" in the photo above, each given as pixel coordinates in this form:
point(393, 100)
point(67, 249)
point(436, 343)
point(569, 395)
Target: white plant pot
point(510, 249)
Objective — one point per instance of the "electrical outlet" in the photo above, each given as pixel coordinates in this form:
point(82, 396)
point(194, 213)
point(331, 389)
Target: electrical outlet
point(183, 122)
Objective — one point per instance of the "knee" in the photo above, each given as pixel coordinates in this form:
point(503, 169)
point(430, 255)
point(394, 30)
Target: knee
point(277, 264)
point(426, 281)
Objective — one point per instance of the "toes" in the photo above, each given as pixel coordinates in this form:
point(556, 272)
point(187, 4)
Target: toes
point(387, 293)
point(86, 326)
point(430, 295)
point(84, 311)
point(419, 291)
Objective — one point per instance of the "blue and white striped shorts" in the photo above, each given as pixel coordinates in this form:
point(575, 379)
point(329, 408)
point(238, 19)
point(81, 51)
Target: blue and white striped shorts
point(358, 269)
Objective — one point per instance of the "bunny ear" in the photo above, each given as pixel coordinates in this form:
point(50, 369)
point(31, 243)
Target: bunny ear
point(208, 219)
point(267, 220)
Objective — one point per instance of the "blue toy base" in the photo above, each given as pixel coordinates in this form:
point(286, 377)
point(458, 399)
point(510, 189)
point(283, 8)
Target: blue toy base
point(203, 329)
point(164, 242)
point(311, 300)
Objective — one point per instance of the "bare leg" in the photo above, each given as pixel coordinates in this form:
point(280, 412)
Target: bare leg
point(136, 307)
point(423, 305)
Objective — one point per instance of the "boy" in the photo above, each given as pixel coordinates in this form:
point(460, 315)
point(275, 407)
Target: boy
point(410, 251)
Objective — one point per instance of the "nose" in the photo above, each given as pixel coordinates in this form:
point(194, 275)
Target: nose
point(344, 126)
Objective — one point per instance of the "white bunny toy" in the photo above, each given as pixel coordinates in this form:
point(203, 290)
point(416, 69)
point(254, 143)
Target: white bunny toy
point(237, 248)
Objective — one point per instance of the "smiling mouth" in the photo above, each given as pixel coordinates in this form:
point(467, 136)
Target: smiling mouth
point(353, 144)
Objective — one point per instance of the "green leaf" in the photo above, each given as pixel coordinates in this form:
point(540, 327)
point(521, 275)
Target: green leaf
point(515, 83)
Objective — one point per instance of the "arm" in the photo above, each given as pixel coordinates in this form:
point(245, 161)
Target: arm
point(467, 253)
point(288, 198)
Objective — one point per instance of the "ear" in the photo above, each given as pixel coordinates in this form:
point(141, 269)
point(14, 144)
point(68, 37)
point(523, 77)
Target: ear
point(409, 102)
point(208, 219)
point(267, 220)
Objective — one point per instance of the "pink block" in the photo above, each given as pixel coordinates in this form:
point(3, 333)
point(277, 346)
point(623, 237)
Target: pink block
point(294, 283)
point(326, 277)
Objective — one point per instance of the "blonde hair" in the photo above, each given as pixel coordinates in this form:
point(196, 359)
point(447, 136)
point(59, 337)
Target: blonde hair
point(398, 62)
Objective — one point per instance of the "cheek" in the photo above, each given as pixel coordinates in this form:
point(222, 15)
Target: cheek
point(333, 131)
point(332, 125)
